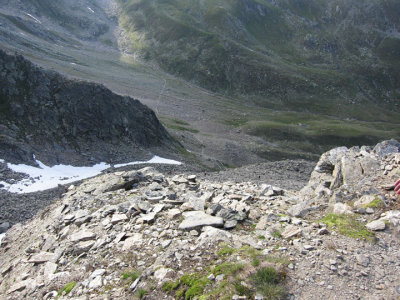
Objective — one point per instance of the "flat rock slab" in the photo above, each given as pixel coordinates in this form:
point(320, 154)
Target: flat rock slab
point(41, 257)
point(195, 219)
point(82, 236)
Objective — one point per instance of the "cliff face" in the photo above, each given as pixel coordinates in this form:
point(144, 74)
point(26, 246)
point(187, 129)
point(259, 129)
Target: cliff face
point(42, 112)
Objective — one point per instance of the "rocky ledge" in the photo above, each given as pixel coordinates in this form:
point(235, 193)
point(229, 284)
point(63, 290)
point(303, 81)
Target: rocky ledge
point(149, 235)
point(62, 120)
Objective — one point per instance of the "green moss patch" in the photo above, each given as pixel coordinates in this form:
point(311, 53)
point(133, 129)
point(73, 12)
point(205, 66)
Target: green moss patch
point(348, 226)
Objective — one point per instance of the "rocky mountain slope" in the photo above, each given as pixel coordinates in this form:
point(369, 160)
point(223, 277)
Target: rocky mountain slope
point(285, 79)
point(60, 120)
point(149, 235)
point(330, 57)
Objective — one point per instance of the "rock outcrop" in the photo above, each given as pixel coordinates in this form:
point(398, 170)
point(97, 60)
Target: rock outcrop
point(64, 120)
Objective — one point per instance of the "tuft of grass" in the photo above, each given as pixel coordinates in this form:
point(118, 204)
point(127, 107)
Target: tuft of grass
point(277, 234)
point(67, 288)
point(140, 293)
point(348, 226)
point(131, 276)
point(268, 282)
point(277, 259)
point(170, 285)
point(242, 290)
point(227, 268)
point(226, 251)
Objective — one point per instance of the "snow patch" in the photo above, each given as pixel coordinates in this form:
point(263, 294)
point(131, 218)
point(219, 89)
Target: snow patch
point(155, 160)
point(2, 235)
point(2, 161)
point(35, 19)
point(91, 10)
point(44, 177)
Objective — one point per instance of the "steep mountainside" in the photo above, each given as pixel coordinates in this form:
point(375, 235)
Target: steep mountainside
point(62, 120)
point(236, 82)
point(331, 57)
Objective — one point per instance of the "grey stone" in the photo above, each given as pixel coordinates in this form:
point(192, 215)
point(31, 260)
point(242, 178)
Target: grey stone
point(376, 225)
point(230, 224)
point(116, 218)
point(82, 236)
point(96, 283)
point(195, 219)
point(4, 227)
point(363, 260)
point(130, 242)
point(291, 231)
point(82, 247)
point(41, 257)
point(149, 217)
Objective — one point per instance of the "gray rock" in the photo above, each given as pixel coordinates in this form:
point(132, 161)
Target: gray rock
point(230, 224)
point(96, 282)
point(4, 227)
point(117, 218)
point(150, 217)
point(98, 272)
point(213, 236)
point(195, 219)
point(82, 247)
point(376, 225)
point(387, 147)
point(342, 208)
point(42, 257)
point(363, 260)
point(230, 214)
point(291, 231)
point(82, 236)
point(132, 241)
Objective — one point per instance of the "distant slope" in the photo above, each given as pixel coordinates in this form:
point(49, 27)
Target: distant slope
point(63, 120)
point(329, 57)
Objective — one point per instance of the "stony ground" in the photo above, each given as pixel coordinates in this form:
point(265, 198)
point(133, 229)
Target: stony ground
point(160, 235)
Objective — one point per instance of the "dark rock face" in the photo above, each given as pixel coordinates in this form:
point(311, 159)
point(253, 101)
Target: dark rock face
point(63, 120)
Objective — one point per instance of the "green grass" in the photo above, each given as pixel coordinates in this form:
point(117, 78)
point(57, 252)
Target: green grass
point(67, 288)
point(348, 226)
point(226, 251)
point(268, 282)
point(130, 276)
point(140, 293)
point(170, 285)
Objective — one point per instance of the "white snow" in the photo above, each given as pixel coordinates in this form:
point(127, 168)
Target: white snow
point(2, 161)
point(36, 20)
point(1, 237)
point(44, 177)
point(155, 160)
point(91, 10)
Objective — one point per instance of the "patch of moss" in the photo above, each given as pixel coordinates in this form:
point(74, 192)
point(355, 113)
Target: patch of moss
point(348, 226)
point(170, 285)
point(195, 284)
point(374, 204)
point(67, 288)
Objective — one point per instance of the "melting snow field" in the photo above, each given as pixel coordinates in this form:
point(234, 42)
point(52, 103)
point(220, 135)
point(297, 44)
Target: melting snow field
point(44, 177)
